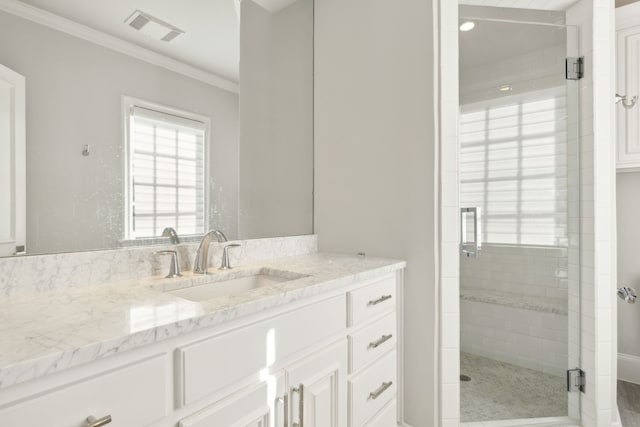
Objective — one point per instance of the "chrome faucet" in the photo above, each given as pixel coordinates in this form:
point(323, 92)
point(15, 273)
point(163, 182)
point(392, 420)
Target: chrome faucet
point(171, 232)
point(200, 265)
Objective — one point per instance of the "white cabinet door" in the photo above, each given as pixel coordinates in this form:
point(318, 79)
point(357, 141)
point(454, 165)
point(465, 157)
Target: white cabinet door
point(254, 406)
point(12, 162)
point(317, 389)
point(628, 84)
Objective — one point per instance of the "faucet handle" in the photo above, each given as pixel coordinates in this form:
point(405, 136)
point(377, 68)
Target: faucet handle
point(174, 267)
point(224, 265)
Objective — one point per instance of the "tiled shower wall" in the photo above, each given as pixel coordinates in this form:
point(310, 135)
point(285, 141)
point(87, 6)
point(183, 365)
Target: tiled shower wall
point(527, 338)
point(520, 270)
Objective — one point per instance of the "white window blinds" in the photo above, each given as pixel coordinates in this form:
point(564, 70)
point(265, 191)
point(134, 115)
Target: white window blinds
point(167, 173)
point(513, 164)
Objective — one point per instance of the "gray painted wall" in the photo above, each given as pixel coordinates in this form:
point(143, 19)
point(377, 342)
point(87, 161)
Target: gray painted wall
point(375, 148)
point(276, 113)
point(74, 93)
point(628, 208)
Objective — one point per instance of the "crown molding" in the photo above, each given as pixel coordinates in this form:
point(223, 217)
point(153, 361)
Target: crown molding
point(108, 41)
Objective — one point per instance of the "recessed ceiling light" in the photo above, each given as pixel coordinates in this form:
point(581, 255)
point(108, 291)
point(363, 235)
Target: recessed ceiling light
point(505, 88)
point(467, 26)
point(152, 26)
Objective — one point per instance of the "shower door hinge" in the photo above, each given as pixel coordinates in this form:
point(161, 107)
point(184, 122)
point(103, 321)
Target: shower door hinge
point(574, 68)
point(576, 380)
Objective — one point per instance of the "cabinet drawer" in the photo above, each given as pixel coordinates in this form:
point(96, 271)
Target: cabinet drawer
point(210, 365)
point(371, 300)
point(372, 341)
point(372, 389)
point(387, 418)
point(135, 395)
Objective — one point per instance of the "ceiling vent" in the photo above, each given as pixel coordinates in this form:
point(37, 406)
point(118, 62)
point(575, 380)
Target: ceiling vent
point(152, 26)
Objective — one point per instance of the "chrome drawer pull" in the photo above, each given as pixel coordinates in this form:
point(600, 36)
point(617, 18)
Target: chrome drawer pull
point(382, 340)
point(93, 422)
point(379, 300)
point(299, 390)
point(376, 394)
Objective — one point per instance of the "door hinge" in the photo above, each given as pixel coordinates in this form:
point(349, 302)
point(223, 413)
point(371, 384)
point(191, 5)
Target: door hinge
point(576, 380)
point(574, 68)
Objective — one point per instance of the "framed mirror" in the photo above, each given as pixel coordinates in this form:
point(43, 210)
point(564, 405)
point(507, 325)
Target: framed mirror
point(145, 116)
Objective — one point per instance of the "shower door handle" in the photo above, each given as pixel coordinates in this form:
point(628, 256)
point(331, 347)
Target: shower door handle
point(470, 247)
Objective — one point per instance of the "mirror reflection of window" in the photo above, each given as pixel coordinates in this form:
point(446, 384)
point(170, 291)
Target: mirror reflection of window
point(167, 169)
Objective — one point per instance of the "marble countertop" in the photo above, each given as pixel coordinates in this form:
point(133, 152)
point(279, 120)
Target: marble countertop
point(47, 332)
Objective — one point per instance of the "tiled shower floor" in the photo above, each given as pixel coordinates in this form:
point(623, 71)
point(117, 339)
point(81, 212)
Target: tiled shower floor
point(500, 391)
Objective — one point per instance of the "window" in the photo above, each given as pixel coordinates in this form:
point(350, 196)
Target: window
point(166, 183)
point(513, 164)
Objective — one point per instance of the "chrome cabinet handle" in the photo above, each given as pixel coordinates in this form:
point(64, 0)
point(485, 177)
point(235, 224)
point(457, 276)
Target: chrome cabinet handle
point(382, 340)
point(299, 390)
point(94, 422)
point(375, 394)
point(383, 298)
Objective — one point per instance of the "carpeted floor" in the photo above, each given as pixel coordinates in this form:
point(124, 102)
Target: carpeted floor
point(500, 391)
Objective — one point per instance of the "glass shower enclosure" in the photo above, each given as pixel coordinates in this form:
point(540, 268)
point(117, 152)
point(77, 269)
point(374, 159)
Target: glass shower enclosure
point(519, 219)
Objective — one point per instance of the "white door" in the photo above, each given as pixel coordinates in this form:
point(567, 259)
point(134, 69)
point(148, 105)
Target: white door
point(12, 163)
point(318, 389)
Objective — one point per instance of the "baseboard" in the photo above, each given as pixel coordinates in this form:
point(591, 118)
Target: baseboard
point(629, 368)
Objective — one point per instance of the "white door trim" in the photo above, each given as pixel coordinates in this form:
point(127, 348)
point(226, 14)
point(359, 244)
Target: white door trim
point(17, 141)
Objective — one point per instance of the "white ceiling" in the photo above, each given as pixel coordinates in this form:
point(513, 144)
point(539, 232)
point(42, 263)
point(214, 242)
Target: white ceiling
point(493, 42)
point(523, 4)
point(212, 29)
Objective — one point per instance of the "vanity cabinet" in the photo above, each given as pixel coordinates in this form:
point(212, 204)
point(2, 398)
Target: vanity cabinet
point(317, 388)
point(326, 361)
point(237, 354)
point(246, 408)
point(373, 379)
point(133, 395)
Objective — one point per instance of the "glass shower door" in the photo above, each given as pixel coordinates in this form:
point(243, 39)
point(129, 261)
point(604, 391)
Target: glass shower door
point(518, 163)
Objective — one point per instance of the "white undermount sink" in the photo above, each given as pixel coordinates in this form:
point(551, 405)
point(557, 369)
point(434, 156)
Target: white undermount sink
point(232, 286)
